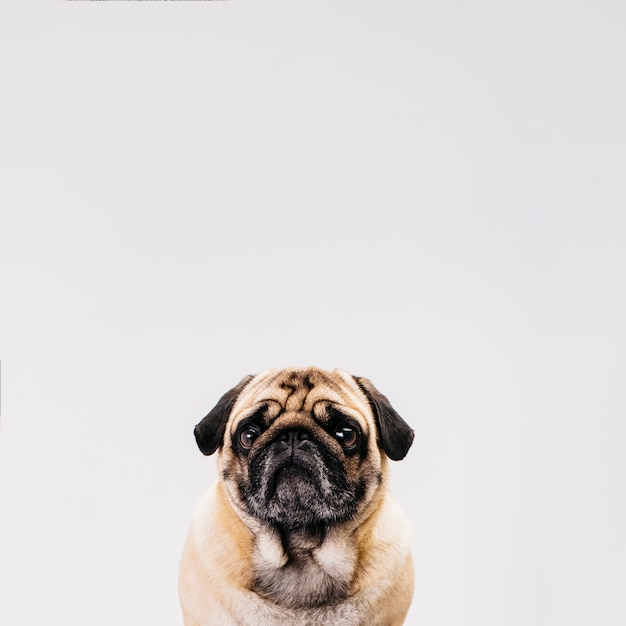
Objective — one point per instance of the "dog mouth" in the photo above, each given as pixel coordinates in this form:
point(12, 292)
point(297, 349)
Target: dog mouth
point(290, 475)
point(298, 487)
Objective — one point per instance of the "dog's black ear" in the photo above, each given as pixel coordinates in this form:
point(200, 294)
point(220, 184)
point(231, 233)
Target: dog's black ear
point(210, 431)
point(396, 436)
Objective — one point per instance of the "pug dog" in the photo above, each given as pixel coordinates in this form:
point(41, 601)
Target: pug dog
point(301, 527)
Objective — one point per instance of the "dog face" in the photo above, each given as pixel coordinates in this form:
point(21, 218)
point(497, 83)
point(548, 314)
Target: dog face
point(303, 448)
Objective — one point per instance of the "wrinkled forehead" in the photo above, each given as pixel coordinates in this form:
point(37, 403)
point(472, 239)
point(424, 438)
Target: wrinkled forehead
point(309, 390)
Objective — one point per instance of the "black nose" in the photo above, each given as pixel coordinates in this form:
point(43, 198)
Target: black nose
point(294, 436)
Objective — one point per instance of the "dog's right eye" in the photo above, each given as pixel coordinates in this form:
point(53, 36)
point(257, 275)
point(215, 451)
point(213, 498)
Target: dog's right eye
point(247, 436)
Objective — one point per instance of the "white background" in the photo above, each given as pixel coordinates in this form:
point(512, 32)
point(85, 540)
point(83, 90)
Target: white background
point(429, 194)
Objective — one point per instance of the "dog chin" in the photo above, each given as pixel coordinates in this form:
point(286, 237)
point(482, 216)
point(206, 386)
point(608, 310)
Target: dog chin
point(296, 499)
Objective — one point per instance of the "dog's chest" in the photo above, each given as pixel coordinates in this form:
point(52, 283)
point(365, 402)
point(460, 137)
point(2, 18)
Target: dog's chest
point(307, 573)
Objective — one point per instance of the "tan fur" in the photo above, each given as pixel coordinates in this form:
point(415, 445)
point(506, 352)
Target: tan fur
point(226, 548)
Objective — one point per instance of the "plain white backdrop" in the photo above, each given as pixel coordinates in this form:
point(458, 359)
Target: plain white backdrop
point(429, 194)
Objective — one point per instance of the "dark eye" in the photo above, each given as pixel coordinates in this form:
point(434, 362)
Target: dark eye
point(347, 435)
point(247, 436)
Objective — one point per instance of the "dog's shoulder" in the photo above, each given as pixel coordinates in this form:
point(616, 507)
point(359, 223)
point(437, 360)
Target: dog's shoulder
point(217, 550)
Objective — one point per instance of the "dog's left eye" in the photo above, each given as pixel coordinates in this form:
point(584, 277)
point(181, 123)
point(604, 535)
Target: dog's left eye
point(347, 436)
point(248, 435)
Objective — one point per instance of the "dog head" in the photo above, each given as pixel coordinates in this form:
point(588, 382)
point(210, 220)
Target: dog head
point(303, 448)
